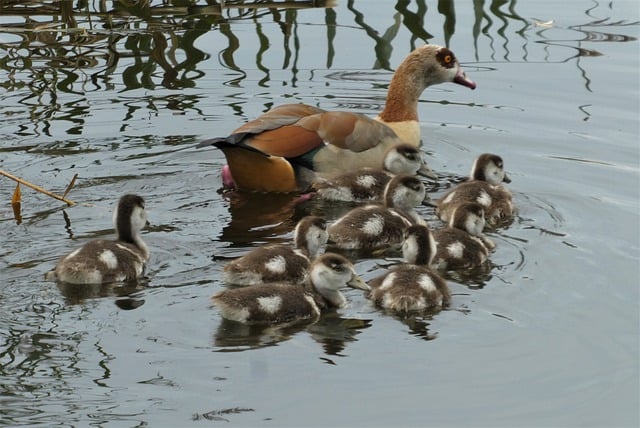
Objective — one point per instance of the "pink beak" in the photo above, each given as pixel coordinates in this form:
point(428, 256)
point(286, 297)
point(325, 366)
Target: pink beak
point(462, 79)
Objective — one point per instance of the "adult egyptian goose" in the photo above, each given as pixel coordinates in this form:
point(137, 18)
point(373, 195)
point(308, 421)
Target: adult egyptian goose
point(102, 261)
point(284, 149)
point(280, 303)
point(484, 187)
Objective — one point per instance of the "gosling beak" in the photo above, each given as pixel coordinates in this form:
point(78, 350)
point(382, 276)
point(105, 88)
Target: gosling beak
point(427, 202)
point(357, 282)
point(506, 179)
point(426, 172)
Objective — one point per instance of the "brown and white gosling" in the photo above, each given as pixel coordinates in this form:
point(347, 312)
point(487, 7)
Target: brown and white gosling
point(373, 227)
point(280, 262)
point(368, 184)
point(102, 261)
point(412, 286)
point(484, 187)
point(286, 303)
point(461, 244)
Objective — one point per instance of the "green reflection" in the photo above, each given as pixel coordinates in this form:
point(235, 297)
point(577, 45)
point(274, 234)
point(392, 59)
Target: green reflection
point(53, 48)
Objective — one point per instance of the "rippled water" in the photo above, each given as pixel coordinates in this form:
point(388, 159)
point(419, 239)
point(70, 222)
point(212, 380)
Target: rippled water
point(549, 337)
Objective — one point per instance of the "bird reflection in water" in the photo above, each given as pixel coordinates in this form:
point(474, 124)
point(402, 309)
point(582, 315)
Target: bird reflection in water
point(78, 293)
point(255, 216)
point(331, 331)
point(237, 336)
point(258, 216)
point(334, 332)
point(418, 324)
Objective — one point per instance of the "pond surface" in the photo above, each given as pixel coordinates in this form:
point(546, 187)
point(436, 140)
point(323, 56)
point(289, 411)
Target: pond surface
point(549, 337)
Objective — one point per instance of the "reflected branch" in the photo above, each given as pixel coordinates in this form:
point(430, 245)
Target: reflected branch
point(447, 9)
point(383, 47)
point(264, 46)
point(331, 23)
point(290, 18)
point(495, 9)
point(414, 21)
point(226, 56)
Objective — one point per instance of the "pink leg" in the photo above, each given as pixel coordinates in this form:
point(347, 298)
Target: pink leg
point(227, 178)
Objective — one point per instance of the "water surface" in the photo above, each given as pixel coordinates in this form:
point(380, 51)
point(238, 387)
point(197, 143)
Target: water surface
point(121, 96)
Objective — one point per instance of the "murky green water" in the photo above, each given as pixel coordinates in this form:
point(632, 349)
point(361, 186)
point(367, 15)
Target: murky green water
point(549, 338)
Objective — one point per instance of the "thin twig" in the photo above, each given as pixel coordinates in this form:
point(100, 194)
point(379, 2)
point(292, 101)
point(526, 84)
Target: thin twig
point(37, 188)
point(71, 183)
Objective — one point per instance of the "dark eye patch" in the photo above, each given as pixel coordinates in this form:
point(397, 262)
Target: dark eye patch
point(338, 267)
point(446, 58)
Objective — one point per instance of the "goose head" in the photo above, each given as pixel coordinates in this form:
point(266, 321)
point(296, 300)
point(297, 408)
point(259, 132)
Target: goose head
point(430, 65)
point(490, 168)
point(404, 192)
point(419, 246)
point(406, 159)
point(129, 218)
point(469, 217)
point(425, 66)
point(311, 235)
point(329, 273)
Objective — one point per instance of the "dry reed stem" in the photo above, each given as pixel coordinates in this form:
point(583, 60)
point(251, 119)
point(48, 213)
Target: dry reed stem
point(40, 189)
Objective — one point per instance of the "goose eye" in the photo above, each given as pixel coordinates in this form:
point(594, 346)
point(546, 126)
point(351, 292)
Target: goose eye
point(446, 58)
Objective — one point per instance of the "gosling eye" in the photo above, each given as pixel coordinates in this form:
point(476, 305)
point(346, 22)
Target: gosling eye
point(340, 268)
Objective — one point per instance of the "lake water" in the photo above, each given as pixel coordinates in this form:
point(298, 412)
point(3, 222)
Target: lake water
point(550, 337)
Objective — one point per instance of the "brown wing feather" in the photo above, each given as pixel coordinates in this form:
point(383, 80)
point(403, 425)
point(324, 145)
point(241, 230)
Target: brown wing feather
point(286, 114)
point(286, 141)
point(349, 131)
point(291, 130)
